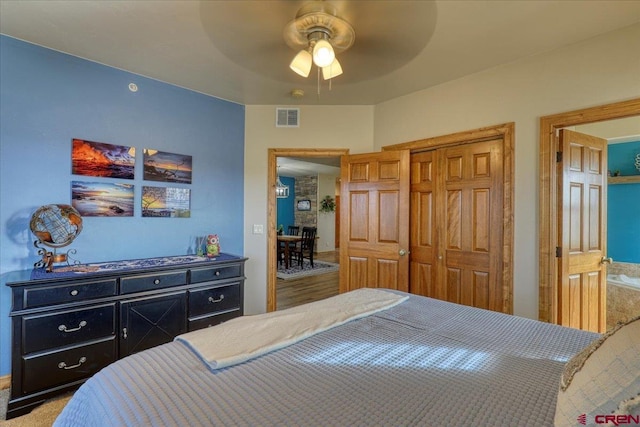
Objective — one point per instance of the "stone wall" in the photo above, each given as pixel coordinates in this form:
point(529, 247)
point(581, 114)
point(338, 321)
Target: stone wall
point(307, 188)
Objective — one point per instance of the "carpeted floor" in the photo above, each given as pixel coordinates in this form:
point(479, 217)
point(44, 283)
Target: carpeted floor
point(42, 416)
point(295, 271)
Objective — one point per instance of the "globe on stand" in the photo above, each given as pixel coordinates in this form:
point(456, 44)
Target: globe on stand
point(55, 226)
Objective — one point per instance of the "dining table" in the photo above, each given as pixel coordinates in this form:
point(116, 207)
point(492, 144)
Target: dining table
point(287, 239)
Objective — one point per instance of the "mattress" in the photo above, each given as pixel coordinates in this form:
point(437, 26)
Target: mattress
point(422, 362)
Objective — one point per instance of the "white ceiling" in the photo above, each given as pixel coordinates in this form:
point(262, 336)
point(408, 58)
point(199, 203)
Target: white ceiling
point(289, 166)
point(234, 50)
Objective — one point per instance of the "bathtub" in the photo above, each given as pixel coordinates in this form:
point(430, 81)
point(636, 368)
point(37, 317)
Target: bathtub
point(624, 280)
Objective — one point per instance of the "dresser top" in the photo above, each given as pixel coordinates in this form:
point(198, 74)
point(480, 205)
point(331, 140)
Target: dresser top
point(81, 271)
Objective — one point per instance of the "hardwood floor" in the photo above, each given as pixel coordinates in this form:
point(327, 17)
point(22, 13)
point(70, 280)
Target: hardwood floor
point(290, 293)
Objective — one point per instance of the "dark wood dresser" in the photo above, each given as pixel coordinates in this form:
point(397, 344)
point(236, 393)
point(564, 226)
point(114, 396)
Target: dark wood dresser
point(65, 329)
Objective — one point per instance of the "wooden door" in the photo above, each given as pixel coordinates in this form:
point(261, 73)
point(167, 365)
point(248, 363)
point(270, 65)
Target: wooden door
point(457, 224)
point(374, 203)
point(582, 192)
point(422, 225)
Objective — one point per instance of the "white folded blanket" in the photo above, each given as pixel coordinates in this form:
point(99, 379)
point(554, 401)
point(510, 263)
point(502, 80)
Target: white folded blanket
point(246, 337)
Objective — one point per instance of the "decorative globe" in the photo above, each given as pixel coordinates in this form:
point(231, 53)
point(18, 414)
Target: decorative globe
point(56, 225)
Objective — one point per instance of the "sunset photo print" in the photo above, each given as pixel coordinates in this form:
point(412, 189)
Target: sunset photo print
point(102, 198)
point(166, 167)
point(102, 159)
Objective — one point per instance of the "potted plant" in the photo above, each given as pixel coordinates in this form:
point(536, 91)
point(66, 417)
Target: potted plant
point(328, 204)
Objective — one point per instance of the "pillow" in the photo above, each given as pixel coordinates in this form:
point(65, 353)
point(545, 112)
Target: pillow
point(602, 380)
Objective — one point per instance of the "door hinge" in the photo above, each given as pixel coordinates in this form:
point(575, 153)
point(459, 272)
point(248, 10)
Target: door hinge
point(558, 252)
point(558, 156)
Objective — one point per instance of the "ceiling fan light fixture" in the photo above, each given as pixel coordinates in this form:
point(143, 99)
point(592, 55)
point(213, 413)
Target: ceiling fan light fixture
point(318, 30)
point(332, 70)
point(301, 63)
point(323, 54)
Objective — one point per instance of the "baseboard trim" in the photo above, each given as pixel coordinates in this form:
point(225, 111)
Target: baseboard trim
point(5, 382)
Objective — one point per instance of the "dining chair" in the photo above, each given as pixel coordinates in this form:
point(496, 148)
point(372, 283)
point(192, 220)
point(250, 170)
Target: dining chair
point(292, 230)
point(280, 253)
point(304, 248)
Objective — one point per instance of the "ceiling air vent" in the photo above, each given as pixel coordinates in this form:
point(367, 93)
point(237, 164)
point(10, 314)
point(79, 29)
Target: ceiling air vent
point(287, 117)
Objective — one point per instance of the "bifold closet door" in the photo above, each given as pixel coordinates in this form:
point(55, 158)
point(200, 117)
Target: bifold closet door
point(456, 224)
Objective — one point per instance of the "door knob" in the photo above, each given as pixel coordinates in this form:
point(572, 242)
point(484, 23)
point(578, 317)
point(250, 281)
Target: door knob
point(402, 252)
point(606, 260)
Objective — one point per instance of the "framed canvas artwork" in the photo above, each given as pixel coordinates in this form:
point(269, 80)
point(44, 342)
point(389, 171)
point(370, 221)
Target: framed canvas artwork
point(101, 159)
point(166, 167)
point(102, 198)
point(166, 202)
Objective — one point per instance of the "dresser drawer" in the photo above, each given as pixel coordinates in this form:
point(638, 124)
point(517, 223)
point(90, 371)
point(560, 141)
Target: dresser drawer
point(71, 292)
point(214, 273)
point(214, 299)
point(149, 282)
point(215, 319)
point(62, 367)
point(48, 331)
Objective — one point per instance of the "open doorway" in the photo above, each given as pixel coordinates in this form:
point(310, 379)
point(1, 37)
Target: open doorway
point(290, 161)
point(549, 302)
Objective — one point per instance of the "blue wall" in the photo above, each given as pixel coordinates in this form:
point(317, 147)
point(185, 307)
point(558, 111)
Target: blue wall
point(623, 205)
point(285, 209)
point(48, 98)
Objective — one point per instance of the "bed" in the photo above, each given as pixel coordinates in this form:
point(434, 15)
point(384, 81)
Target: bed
point(417, 361)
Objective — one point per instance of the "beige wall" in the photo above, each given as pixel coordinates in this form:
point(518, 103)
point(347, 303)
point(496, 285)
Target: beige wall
point(599, 71)
point(326, 220)
point(320, 127)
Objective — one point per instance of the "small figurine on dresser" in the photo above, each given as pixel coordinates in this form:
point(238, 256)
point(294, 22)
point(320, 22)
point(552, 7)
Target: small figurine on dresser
point(213, 245)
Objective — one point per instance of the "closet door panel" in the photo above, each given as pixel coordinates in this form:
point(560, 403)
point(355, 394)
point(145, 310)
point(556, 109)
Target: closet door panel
point(472, 212)
point(456, 225)
point(422, 227)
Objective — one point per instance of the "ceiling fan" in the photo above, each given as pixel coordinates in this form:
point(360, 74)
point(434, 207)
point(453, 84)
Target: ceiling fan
point(319, 34)
point(264, 36)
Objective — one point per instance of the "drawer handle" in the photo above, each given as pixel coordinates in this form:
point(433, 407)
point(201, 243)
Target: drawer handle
point(63, 328)
point(156, 282)
point(74, 292)
point(217, 273)
point(211, 299)
point(63, 365)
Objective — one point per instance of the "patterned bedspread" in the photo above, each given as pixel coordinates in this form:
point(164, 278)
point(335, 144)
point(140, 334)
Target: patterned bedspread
point(423, 362)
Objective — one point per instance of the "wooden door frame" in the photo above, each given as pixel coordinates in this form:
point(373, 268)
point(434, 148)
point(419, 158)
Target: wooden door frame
point(548, 238)
point(272, 171)
point(506, 131)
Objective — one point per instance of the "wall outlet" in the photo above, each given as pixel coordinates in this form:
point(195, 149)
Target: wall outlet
point(258, 229)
